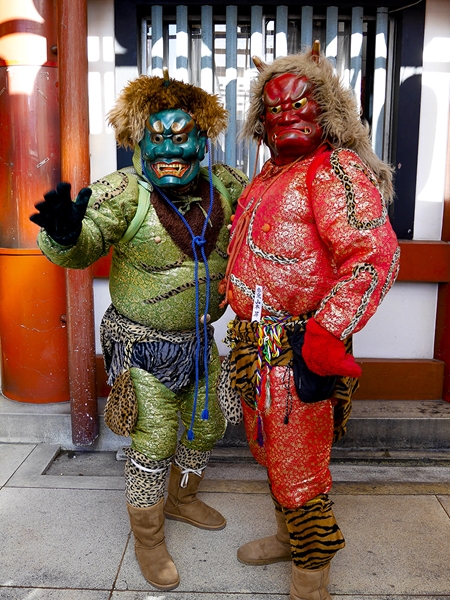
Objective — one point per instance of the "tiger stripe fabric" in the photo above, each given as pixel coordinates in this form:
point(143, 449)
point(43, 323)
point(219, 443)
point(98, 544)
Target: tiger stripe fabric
point(314, 533)
point(167, 355)
point(241, 337)
point(343, 392)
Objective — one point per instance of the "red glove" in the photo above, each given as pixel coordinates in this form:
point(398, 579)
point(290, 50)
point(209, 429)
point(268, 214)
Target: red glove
point(325, 354)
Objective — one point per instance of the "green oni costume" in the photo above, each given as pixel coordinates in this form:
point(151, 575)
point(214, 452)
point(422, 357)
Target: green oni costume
point(169, 255)
point(152, 285)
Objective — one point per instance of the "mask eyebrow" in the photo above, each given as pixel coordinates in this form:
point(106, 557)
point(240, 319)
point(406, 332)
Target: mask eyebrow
point(300, 89)
point(157, 127)
point(179, 128)
point(269, 102)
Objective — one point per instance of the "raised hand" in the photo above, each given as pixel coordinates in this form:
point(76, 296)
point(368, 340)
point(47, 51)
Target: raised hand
point(59, 216)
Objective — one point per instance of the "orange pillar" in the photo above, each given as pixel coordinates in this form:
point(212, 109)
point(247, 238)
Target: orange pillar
point(73, 65)
point(32, 291)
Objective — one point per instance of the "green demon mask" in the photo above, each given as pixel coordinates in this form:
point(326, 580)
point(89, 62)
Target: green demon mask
point(172, 148)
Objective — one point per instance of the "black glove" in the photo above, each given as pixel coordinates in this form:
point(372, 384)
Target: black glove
point(59, 216)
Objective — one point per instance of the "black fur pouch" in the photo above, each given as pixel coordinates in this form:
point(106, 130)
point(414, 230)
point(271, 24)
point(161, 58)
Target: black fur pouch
point(310, 386)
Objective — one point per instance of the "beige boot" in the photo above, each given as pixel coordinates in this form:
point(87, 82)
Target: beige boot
point(155, 562)
point(272, 549)
point(310, 585)
point(182, 503)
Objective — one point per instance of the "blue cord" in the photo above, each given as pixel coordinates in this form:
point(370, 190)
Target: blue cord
point(200, 242)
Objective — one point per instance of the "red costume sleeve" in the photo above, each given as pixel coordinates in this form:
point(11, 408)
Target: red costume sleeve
point(351, 218)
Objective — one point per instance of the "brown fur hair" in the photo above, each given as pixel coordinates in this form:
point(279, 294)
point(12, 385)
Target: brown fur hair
point(146, 95)
point(339, 117)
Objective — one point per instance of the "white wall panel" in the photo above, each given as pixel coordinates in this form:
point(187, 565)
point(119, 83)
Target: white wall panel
point(102, 94)
point(403, 326)
point(102, 300)
point(434, 122)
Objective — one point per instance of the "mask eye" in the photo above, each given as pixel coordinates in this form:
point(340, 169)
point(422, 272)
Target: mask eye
point(275, 110)
point(300, 103)
point(180, 138)
point(157, 138)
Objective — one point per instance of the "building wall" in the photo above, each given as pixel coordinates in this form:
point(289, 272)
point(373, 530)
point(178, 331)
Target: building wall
point(404, 325)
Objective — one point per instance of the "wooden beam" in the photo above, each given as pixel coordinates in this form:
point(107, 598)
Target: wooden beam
point(400, 379)
point(424, 261)
point(382, 379)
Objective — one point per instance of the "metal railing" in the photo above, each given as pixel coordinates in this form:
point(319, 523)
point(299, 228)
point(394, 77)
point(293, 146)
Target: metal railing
point(212, 47)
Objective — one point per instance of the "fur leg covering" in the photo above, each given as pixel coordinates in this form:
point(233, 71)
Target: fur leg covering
point(314, 532)
point(145, 479)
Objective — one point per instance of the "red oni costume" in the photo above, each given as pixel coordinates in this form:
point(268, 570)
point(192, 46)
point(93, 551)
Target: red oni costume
point(311, 245)
point(326, 248)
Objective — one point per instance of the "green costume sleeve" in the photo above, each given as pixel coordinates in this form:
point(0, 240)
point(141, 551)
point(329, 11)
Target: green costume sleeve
point(233, 180)
point(111, 209)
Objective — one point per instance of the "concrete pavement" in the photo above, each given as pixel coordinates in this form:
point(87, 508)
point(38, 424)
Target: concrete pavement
point(65, 535)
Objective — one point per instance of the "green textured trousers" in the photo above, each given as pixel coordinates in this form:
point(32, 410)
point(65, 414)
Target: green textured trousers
point(160, 410)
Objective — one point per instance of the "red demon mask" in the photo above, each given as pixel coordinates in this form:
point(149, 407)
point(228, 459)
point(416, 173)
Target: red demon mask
point(290, 118)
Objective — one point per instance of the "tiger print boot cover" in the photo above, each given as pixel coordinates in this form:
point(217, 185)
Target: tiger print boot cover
point(182, 504)
point(315, 539)
point(314, 533)
point(144, 489)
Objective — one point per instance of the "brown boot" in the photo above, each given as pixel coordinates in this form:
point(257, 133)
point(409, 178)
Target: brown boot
point(310, 585)
point(182, 503)
point(268, 550)
point(155, 562)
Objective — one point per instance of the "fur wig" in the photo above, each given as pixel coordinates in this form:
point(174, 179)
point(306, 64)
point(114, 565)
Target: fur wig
point(146, 95)
point(339, 117)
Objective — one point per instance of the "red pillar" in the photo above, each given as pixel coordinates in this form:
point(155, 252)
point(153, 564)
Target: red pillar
point(73, 66)
point(442, 339)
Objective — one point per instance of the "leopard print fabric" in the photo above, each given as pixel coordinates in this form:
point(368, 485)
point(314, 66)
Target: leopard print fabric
point(195, 460)
point(145, 479)
point(227, 396)
point(121, 411)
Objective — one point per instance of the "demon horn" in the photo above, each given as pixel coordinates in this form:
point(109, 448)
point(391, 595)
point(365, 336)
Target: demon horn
point(259, 64)
point(315, 51)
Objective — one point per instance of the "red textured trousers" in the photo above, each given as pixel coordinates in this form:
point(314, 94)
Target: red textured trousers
point(297, 453)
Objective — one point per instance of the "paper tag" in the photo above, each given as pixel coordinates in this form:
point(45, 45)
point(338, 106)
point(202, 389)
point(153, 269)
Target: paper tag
point(257, 303)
